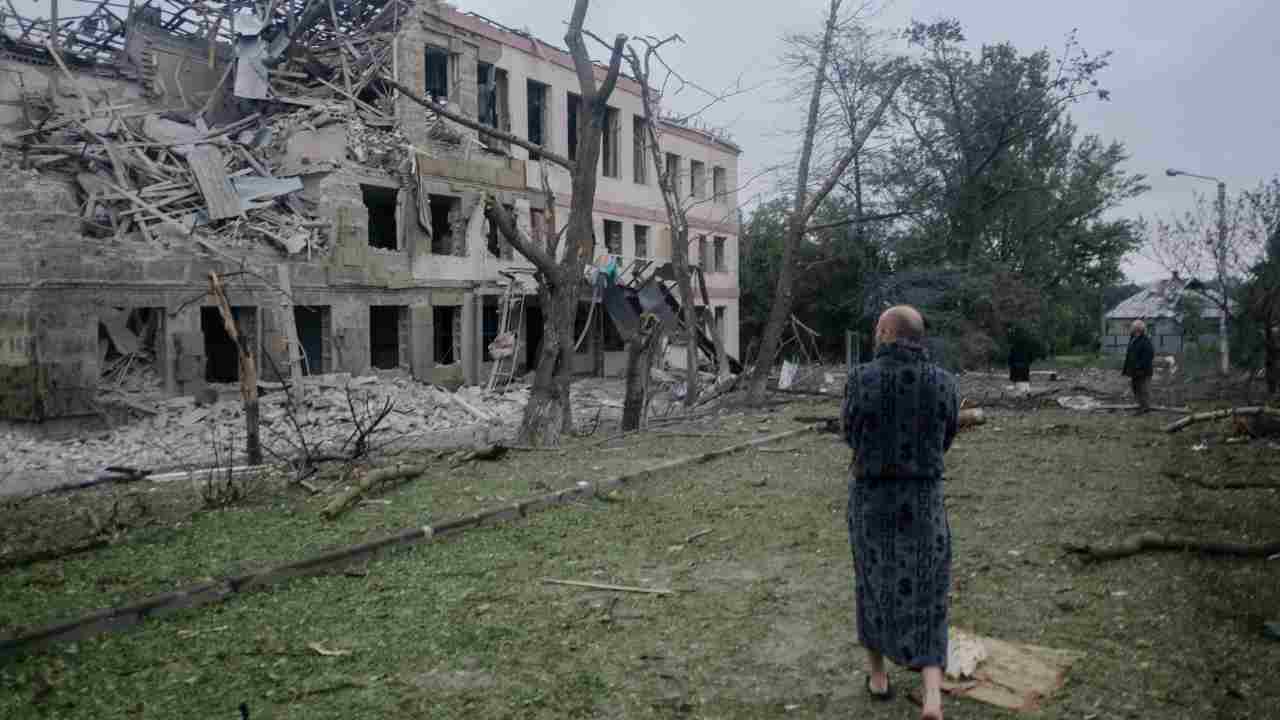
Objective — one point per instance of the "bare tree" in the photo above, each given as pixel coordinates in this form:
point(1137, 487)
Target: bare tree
point(559, 269)
point(645, 59)
point(837, 99)
point(1221, 240)
point(677, 210)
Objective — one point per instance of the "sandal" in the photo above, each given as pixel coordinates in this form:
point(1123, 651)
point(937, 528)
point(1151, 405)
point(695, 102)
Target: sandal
point(880, 696)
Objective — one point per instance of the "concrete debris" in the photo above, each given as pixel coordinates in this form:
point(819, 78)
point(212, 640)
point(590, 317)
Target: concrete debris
point(221, 172)
point(181, 435)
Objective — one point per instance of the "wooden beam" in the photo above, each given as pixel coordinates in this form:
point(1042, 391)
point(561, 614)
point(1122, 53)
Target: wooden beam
point(210, 172)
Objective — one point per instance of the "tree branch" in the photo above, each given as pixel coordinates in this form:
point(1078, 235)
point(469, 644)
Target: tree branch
point(838, 171)
point(578, 50)
point(615, 66)
point(506, 225)
point(442, 111)
point(859, 220)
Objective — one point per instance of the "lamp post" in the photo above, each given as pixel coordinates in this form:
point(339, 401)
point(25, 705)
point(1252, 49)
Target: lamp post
point(1220, 258)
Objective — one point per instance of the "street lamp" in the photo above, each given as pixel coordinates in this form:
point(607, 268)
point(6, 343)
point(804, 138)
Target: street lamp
point(1220, 256)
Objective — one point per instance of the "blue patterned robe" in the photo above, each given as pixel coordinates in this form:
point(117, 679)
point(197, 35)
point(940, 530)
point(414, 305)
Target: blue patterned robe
point(900, 415)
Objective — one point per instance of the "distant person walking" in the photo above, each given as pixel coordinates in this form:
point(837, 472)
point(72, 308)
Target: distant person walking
point(900, 415)
point(1138, 365)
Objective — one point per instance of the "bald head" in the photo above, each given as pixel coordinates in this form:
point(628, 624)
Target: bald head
point(901, 322)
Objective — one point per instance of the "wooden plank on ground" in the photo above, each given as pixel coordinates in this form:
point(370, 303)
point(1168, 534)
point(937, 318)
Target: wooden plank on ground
point(210, 173)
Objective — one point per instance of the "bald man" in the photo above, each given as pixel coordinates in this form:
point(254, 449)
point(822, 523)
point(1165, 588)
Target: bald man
point(900, 415)
point(1139, 361)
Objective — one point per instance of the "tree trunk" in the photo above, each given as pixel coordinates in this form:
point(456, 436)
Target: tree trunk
point(548, 412)
point(778, 316)
point(1271, 349)
point(248, 372)
point(688, 312)
point(640, 350)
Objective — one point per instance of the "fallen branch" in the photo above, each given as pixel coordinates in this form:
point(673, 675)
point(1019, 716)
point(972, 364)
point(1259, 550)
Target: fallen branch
point(1221, 414)
point(1153, 408)
point(1227, 485)
point(370, 481)
point(697, 535)
point(604, 586)
point(1152, 541)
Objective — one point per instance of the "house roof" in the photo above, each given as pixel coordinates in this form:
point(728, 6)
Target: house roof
point(1159, 299)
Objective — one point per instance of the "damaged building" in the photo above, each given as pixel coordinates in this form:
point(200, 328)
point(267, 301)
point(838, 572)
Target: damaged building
point(145, 149)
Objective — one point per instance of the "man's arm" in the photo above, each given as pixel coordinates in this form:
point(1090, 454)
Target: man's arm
point(953, 414)
point(849, 409)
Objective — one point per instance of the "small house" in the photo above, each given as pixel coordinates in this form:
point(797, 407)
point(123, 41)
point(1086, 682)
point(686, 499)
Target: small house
point(1160, 304)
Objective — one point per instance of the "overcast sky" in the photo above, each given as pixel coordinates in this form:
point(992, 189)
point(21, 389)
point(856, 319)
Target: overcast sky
point(1190, 82)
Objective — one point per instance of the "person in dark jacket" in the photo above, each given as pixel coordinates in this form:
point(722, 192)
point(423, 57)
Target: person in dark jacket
point(1139, 360)
point(1022, 353)
point(900, 415)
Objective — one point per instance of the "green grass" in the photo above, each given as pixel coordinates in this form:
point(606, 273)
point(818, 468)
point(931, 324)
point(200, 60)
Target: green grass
point(762, 622)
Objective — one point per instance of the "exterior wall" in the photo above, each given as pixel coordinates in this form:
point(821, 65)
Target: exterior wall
point(1166, 335)
point(619, 199)
point(52, 277)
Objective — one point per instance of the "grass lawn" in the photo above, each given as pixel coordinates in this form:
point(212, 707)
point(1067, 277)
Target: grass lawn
point(761, 622)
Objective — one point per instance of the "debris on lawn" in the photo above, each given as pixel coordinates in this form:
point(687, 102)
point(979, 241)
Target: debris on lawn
point(605, 586)
point(326, 652)
point(1014, 676)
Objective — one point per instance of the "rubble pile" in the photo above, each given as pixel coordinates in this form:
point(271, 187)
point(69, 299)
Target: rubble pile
point(189, 433)
point(221, 172)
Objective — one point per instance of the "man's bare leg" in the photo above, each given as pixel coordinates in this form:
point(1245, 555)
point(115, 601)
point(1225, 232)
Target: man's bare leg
point(879, 678)
point(932, 707)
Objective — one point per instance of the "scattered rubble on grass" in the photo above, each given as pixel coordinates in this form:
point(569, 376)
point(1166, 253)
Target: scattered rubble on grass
point(184, 433)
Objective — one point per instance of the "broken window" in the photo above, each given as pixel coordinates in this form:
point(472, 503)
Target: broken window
point(222, 360)
point(718, 263)
point(498, 245)
point(697, 178)
point(537, 224)
point(639, 138)
point(609, 162)
point(444, 212)
point(720, 184)
point(613, 237)
point(315, 328)
point(642, 241)
point(698, 252)
point(673, 170)
point(443, 318)
point(719, 316)
point(381, 203)
point(377, 94)
point(490, 317)
point(437, 73)
point(486, 95)
point(387, 334)
point(575, 105)
point(491, 96)
point(536, 95)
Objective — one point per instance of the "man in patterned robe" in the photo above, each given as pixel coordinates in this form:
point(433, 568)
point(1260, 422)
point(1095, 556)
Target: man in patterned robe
point(900, 415)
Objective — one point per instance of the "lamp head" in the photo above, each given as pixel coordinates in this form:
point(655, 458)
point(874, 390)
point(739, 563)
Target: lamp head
point(1172, 173)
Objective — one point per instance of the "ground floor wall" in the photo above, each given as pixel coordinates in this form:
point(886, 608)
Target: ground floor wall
point(55, 343)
